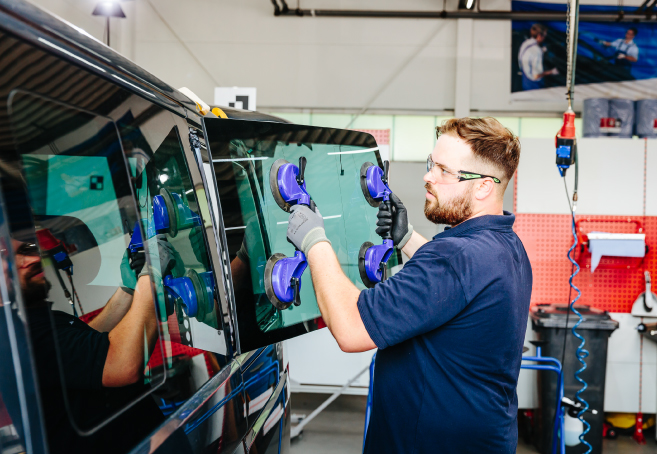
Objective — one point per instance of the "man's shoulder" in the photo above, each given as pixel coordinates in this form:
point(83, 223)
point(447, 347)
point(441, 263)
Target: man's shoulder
point(447, 246)
point(472, 243)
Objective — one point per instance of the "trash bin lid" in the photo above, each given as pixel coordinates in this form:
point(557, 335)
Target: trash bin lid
point(555, 315)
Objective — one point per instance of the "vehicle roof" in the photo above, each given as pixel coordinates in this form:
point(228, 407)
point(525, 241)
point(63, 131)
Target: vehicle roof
point(49, 32)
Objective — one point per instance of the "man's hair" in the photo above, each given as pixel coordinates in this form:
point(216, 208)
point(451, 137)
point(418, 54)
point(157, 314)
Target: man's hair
point(634, 30)
point(489, 140)
point(538, 29)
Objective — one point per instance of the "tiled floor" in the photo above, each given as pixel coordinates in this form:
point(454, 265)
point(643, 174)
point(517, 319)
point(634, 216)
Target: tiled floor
point(339, 429)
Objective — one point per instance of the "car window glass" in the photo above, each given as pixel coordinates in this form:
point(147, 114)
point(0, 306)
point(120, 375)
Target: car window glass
point(79, 191)
point(243, 154)
point(162, 179)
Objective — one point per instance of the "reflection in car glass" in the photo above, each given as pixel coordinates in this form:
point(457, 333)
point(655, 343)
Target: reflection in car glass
point(118, 300)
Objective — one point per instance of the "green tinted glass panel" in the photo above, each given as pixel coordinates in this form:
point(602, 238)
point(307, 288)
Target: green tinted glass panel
point(243, 154)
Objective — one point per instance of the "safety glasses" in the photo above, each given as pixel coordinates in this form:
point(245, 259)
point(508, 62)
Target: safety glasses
point(30, 249)
point(446, 175)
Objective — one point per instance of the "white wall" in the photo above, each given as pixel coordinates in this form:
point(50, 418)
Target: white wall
point(319, 63)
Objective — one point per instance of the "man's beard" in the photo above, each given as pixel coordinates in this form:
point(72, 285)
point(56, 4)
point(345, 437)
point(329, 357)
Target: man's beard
point(452, 213)
point(35, 292)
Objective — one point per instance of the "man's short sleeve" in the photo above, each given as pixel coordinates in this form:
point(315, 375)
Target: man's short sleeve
point(424, 295)
point(83, 352)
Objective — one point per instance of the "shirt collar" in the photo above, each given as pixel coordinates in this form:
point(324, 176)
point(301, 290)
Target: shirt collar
point(488, 222)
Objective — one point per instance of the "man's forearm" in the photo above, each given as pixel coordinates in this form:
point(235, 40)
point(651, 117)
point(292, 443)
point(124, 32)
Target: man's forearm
point(113, 312)
point(415, 243)
point(337, 298)
point(125, 358)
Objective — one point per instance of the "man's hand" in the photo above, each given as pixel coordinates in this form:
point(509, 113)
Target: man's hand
point(305, 228)
point(130, 269)
point(395, 222)
point(621, 56)
point(163, 253)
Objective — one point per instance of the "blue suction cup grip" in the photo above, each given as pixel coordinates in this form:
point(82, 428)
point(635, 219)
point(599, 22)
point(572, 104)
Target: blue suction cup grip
point(377, 184)
point(136, 240)
point(376, 258)
point(185, 216)
point(286, 277)
point(288, 185)
point(183, 288)
point(160, 214)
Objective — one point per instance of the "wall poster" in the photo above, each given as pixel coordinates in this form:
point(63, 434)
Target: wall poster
point(614, 59)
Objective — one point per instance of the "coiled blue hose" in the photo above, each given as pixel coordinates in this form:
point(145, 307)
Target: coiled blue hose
point(581, 352)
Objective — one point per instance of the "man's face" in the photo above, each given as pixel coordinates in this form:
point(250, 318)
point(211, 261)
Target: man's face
point(541, 37)
point(30, 271)
point(447, 201)
point(629, 35)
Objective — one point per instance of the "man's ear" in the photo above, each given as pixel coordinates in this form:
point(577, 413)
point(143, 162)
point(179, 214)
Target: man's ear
point(484, 188)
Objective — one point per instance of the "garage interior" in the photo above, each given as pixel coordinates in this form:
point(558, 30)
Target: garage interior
point(397, 69)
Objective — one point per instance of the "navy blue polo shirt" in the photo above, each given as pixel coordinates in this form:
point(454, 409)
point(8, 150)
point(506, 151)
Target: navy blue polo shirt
point(450, 327)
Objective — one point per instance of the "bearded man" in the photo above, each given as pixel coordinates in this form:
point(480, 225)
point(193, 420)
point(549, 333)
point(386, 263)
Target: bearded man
point(450, 325)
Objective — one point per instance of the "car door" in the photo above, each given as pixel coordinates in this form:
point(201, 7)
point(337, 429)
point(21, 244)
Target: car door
point(90, 170)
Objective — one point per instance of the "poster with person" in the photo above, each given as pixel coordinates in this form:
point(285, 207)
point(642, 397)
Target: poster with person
point(614, 59)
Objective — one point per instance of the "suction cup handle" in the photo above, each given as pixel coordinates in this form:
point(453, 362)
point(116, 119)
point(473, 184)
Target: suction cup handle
point(387, 235)
point(386, 168)
point(295, 285)
point(302, 169)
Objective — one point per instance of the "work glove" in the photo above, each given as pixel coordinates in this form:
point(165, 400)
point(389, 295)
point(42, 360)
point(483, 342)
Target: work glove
point(165, 259)
point(305, 228)
point(394, 223)
point(131, 266)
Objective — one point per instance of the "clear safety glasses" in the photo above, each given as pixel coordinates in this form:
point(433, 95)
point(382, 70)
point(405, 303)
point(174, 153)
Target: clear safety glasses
point(446, 175)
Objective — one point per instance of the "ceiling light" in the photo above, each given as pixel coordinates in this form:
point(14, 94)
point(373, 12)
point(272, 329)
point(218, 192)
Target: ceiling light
point(108, 8)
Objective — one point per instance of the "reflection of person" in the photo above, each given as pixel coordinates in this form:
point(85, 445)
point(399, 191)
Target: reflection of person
point(100, 364)
point(627, 52)
point(450, 325)
point(530, 59)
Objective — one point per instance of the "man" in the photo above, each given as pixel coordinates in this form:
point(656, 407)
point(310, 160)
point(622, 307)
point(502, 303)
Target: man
point(100, 365)
point(451, 324)
point(530, 59)
point(626, 53)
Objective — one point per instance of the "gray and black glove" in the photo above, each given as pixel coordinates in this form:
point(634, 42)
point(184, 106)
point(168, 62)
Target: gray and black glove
point(164, 259)
point(131, 266)
point(394, 223)
point(305, 228)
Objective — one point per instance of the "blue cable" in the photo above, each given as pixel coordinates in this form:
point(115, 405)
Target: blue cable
point(581, 352)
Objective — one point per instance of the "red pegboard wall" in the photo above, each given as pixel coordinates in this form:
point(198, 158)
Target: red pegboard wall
point(547, 238)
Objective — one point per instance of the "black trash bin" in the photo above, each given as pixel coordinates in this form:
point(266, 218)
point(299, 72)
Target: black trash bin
point(549, 322)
